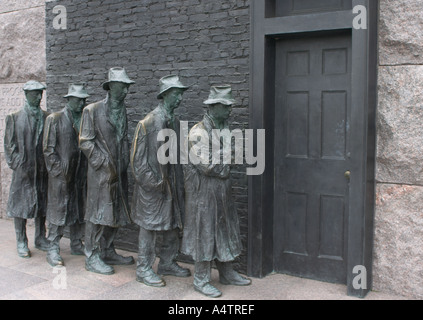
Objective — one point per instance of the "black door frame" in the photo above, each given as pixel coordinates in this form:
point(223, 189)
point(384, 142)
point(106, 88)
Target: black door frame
point(264, 30)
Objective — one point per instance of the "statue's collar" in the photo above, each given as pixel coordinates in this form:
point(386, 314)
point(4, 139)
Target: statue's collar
point(163, 112)
point(210, 124)
point(108, 102)
point(33, 112)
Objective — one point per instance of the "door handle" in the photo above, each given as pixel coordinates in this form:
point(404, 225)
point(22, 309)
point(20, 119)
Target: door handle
point(347, 174)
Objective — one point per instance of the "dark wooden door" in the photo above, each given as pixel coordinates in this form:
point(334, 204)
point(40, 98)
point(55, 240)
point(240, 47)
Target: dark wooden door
point(312, 156)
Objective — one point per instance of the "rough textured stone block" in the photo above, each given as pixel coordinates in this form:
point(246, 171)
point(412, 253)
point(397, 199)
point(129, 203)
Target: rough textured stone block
point(22, 49)
point(401, 32)
point(13, 5)
point(398, 250)
point(399, 125)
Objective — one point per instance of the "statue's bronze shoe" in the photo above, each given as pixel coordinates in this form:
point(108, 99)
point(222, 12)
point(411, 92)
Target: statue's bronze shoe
point(150, 278)
point(54, 258)
point(173, 270)
point(23, 250)
point(110, 257)
point(42, 244)
point(77, 250)
point(208, 290)
point(235, 279)
point(95, 264)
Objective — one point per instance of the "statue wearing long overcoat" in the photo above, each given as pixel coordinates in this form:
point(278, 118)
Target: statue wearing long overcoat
point(211, 229)
point(67, 167)
point(108, 159)
point(23, 150)
point(158, 199)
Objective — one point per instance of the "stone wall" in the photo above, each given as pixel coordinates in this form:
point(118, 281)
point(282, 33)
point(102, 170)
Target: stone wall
point(398, 249)
point(22, 57)
point(204, 42)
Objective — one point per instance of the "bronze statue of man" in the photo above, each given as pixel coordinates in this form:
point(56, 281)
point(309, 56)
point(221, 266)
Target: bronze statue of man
point(67, 169)
point(211, 230)
point(24, 155)
point(104, 140)
point(158, 200)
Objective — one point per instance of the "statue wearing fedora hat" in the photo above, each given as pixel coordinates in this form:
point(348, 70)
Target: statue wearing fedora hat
point(24, 155)
point(104, 140)
point(158, 200)
point(67, 169)
point(211, 229)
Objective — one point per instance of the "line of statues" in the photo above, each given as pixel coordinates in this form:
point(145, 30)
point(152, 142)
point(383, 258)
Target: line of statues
point(70, 168)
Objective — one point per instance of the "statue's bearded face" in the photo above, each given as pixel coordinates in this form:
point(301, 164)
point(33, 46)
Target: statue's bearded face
point(220, 111)
point(34, 97)
point(173, 97)
point(118, 90)
point(76, 104)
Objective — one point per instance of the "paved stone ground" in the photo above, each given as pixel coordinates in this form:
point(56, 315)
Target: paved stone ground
point(35, 279)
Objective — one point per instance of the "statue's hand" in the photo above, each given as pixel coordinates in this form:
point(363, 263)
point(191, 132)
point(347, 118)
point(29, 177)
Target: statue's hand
point(110, 167)
point(162, 185)
point(65, 167)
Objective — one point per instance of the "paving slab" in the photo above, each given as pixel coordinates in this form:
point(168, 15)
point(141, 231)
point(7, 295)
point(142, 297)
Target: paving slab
point(35, 279)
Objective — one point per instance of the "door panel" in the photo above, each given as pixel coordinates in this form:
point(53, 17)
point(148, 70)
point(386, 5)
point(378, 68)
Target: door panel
point(312, 134)
point(295, 223)
point(332, 227)
point(334, 120)
point(293, 7)
point(297, 104)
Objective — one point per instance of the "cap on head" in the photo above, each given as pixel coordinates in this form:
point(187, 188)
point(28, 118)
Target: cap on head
point(220, 94)
point(33, 85)
point(169, 82)
point(77, 90)
point(117, 75)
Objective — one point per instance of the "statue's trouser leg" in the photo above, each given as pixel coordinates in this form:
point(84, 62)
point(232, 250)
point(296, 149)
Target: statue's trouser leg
point(54, 236)
point(93, 233)
point(75, 235)
point(40, 229)
point(108, 237)
point(93, 261)
point(53, 250)
point(170, 247)
point(225, 268)
point(146, 251)
point(202, 273)
point(108, 252)
point(20, 229)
